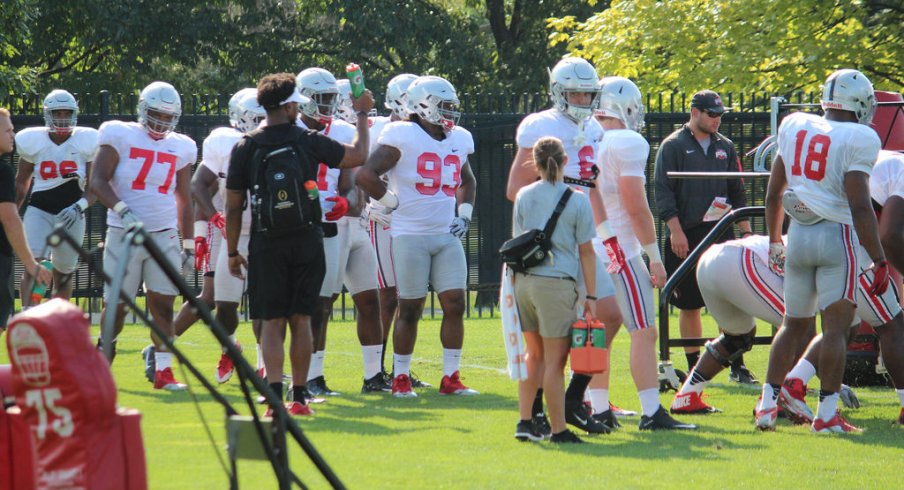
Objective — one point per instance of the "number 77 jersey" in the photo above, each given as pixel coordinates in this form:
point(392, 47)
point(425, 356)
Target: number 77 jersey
point(817, 153)
point(145, 177)
point(426, 176)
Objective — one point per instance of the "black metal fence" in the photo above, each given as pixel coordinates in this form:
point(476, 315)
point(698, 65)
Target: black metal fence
point(491, 118)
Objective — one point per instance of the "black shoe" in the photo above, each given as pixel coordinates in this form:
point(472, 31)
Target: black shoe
point(526, 431)
point(576, 415)
point(417, 383)
point(661, 420)
point(607, 418)
point(150, 362)
point(742, 375)
point(565, 437)
point(541, 425)
point(376, 384)
point(318, 387)
point(100, 347)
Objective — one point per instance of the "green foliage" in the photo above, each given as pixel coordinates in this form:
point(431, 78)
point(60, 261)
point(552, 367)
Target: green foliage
point(15, 16)
point(754, 45)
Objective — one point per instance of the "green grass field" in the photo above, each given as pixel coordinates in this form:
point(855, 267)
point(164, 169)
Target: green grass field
point(377, 441)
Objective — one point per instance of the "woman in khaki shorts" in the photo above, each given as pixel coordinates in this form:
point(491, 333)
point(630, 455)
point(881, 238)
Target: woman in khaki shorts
point(547, 294)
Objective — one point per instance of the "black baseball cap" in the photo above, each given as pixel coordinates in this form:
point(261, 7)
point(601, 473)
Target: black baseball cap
point(707, 100)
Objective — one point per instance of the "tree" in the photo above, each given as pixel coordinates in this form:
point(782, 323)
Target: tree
point(754, 45)
point(15, 17)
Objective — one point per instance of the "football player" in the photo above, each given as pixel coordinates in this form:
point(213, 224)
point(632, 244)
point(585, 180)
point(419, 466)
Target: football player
point(573, 90)
point(820, 175)
point(426, 161)
point(62, 151)
point(623, 155)
point(143, 175)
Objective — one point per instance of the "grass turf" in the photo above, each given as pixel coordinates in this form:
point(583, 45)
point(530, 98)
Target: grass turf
point(377, 441)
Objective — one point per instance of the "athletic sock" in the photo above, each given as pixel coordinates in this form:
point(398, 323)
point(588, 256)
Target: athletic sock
point(803, 370)
point(770, 396)
point(260, 357)
point(575, 391)
point(649, 401)
point(371, 355)
point(277, 389)
point(901, 396)
point(231, 339)
point(599, 399)
point(738, 362)
point(695, 383)
point(163, 360)
point(538, 402)
point(692, 358)
point(298, 394)
point(451, 361)
point(828, 405)
point(316, 367)
point(401, 364)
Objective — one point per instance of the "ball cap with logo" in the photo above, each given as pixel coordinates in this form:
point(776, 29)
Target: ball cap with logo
point(707, 100)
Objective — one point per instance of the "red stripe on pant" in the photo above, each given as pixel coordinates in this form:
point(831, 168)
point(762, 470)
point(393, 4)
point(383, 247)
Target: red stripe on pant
point(634, 296)
point(759, 285)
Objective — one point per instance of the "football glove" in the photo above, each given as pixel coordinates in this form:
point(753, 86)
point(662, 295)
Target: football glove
point(382, 216)
point(70, 215)
point(129, 220)
point(188, 260)
point(880, 278)
point(218, 221)
point(202, 253)
point(617, 260)
point(339, 208)
point(777, 257)
point(459, 226)
point(848, 397)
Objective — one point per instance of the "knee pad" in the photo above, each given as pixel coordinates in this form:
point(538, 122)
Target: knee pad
point(736, 345)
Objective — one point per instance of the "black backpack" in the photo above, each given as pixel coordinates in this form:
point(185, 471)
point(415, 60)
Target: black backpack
point(280, 203)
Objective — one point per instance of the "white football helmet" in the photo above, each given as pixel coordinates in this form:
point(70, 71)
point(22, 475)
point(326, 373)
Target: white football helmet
point(60, 100)
point(433, 99)
point(396, 91)
point(163, 99)
point(573, 75)
point(320, 86)
point(850, 90)
point(245, 113)
point(620, 98)
point(345, 111)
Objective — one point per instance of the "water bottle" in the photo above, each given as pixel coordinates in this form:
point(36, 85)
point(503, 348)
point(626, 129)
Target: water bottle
point(578, 335)
point(598, 334)
point(38, 290)
point(311, 188)
point(355, 78)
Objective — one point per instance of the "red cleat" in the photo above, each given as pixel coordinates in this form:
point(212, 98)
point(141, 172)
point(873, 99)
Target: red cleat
point(836, 425)
point(451, 385)
point(792, 400)
point(691, 403)
point(164, 380)
point(294, 408)
point(401, 387)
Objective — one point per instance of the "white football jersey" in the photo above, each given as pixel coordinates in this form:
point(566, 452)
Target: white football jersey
point(217, 150)
point(622, 153)
point(145, 178)
point(53, 161)
point(377, 124)
point(426, 176)
point(328, 178)
point(818, 153)
point(580, 142)
point(887, 179)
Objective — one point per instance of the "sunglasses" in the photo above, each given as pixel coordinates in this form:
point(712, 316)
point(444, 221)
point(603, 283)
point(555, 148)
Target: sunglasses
point(714, 115)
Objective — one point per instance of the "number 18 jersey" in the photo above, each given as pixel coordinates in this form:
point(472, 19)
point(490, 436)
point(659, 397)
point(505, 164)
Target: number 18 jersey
point(145, 178)
point(817, 153)
point(426, 176)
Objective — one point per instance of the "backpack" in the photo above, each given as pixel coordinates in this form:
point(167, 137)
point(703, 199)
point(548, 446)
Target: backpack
point(280, 200)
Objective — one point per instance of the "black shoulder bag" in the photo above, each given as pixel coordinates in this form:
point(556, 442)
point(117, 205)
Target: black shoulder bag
point(531, 248)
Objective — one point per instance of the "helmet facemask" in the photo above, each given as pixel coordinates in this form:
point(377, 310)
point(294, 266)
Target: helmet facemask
point(60, 121)
point(439, 112)
point(157, 123)
point(322, 107)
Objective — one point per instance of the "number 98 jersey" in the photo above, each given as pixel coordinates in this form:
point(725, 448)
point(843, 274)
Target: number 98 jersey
point(145, 178)
point(426, 176)
point(551, 122)
point(53, 161)
point(817, 153)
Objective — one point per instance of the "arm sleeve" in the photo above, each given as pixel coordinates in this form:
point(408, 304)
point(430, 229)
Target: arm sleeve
point(737, 194)
point(239, 161)
point(666, 204)
point(324, 149)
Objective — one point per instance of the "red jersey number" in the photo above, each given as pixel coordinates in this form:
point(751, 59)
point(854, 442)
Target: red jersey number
point(813, 164)
point(150, 157)
point(48, 169)
point(429, 167)
point(322, 184)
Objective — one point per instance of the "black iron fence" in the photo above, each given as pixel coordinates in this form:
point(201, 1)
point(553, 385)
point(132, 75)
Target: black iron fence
point(491, 118)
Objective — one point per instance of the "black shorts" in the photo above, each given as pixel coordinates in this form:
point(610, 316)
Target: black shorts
point(284, 279)
point(687, 295)
point(7, 303)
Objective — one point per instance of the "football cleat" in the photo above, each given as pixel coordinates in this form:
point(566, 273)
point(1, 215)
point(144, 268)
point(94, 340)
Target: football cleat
point(451, 385)
point(541, 424)
point(376, 384)
point(527, 431)
point(225, 367)
point(401, 387)
point(577, 415)
point(565, 437)
point(417, 382)
point(836, 425)
point(150, 362)
point(621, 412)
point(691, 403)
point(294, 409)
point(318, 387)
point(661, 420)
point(792, 400)
point(765, 419)
point(164, 380)
point(607, 418)
point(742, 375)
point(100, 347)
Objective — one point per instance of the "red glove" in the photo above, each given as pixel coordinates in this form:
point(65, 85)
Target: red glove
point(589, 173)
point(880, 278)
point(617, 260)
point(339, 209)
point(219, 221)
point(202, 253)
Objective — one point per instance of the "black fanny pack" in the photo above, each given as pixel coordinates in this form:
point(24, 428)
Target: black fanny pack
point(531, 248)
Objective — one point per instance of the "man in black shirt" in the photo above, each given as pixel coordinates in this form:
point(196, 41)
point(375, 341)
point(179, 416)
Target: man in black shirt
point(12, 234)
point(285, 272)
point(683, 203)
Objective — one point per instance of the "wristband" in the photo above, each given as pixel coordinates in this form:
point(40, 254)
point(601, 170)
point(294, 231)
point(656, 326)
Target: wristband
point(652, 251)
point(120, 207)
point(188, 244)
point(604, 231)
point(746, 234)
point(390, 200)
point(82, 204)
point(591, 298)
point(465, 210)
point(201, 228)
point(233, 254)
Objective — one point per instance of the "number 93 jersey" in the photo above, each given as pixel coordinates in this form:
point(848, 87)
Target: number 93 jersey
point(817, 153)
point(580, 146)
point(145, 177)
point(426, 176)
point(53, 161)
